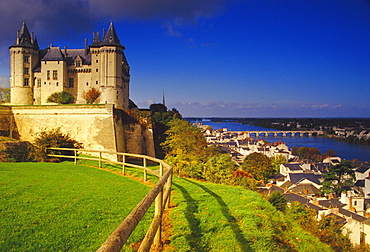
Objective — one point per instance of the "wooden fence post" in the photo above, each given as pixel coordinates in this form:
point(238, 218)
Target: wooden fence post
point(123, 164)
point(75, 152)
point(160, 169)
point(145, 172)
point(169, 185)
point(100, 159)
point(158, 212)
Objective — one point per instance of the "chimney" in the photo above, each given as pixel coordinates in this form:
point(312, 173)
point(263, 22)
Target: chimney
point(103, 33)
point(86, 45)
point(18, 32)
point(65, 51)
point(32, 37)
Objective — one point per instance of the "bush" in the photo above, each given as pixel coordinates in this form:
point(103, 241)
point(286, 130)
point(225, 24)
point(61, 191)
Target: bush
point(91, 95)
point(61, 98)
point(243, 179)
point(53, 138)
point(15, 151)
point(278, 200)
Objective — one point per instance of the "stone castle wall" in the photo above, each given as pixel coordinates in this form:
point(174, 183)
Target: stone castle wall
point(97, 127)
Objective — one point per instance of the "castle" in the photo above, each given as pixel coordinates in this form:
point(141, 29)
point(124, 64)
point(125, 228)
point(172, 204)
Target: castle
point(37, 73)
point(109, 124)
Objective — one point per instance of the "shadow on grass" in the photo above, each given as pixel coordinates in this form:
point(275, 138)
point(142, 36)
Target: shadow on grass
point(195, 237)
point(232, 222)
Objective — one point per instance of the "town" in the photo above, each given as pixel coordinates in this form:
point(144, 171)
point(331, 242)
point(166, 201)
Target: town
point(301, 180)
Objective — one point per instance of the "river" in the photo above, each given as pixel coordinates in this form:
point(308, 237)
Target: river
point(344, 150)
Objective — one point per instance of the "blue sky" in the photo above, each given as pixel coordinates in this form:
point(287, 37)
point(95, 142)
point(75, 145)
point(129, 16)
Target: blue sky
point(251, 58)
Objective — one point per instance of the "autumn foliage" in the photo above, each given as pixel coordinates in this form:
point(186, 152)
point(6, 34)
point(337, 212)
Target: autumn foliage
point(91, 95)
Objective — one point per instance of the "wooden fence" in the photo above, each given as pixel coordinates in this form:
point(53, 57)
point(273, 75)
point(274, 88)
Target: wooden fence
point(160, 194)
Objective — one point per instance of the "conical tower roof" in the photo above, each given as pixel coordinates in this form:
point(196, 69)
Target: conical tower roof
point(24, 38)
point(109, 39)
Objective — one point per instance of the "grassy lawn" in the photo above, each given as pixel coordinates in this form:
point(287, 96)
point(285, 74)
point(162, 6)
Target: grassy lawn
point(211, 217)
point(63, 207)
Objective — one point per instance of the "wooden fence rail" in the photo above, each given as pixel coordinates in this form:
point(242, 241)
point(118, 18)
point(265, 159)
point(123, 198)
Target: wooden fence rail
point(160, 194)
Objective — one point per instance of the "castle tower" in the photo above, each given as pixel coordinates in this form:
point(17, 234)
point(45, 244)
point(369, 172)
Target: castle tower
point(23, 59)
point(110, 69)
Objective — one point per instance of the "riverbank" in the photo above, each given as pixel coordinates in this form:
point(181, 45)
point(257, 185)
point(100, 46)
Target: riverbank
point(344, 149)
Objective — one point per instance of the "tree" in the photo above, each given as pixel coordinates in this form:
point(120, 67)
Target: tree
point(61, 98)
point(185, 147)
point(91, 95)
point(4, 95)
point(276, 161)
point(259, 165)
point(330, 153)
point(309, 153)
point(338, 176)
point(219, 169)
point(161, 117)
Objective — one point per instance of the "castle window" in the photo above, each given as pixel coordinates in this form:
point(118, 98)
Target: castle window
point(87, 83)
point(71, 82)
point(97, 70)
point(55, 74)
point(97, 82)
point(26, 59)
point(26, 70)
point(57, 83)
point(78, 63)
point(48, 75)
point(97, 61)
point(39, 82)
point(26, 82)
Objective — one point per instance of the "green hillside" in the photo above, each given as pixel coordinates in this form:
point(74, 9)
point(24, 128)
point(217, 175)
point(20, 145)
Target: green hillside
point(212, 217)
point(63, 207)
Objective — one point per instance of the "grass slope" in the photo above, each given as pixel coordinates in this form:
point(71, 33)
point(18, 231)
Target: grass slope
point(63, 207)
point(211, 217)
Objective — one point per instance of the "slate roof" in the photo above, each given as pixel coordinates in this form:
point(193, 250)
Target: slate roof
point(305, 189)
point(73, 53)
point(24, 38)
point(276, 188)
point(362, 169)
point(360, 183)
point(295, 178)
point(293, 167)
point(291, 197)
point(110, 38)
point(53, 54)
point(331, 203)
point(353, 215)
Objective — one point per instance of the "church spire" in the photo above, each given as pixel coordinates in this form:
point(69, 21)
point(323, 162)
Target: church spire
point(163, 100)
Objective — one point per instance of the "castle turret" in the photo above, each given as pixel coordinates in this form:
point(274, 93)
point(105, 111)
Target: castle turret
point(23, 59)
point(110, 69)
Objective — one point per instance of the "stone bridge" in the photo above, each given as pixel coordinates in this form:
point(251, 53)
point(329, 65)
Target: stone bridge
point(283, 133)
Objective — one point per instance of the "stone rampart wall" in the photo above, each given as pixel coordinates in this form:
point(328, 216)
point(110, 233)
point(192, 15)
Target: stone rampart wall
point(97, 127)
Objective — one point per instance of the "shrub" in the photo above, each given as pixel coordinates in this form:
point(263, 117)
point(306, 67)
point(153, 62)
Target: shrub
point(61, 98)
point(278, 200)
point(243, 179)
point(91, 95)
point(53, 138)
point(15, 151)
